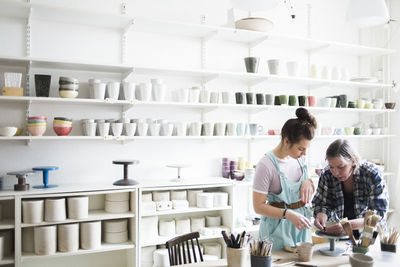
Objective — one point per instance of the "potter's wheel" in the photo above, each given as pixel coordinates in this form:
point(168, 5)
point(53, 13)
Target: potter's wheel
point(332, 250)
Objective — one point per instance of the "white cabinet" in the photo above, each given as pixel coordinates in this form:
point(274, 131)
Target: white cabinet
point(207, 218)
point(26, 249)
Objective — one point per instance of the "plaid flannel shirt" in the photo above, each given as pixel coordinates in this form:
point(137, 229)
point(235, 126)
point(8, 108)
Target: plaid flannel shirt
point(370, 192)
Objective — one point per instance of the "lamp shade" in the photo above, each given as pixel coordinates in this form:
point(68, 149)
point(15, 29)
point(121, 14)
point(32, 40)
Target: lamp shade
point(254, 5)
point(367, 13)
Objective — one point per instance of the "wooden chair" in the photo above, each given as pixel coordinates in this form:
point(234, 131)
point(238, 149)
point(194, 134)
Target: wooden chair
point(180, 251)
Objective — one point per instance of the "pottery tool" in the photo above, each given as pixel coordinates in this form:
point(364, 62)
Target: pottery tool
point(349, 231)
point(389, 237)
point(262, 248)
point(21, 176)
point(228, 242)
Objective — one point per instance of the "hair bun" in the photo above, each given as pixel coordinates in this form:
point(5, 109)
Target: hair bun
point(303, 115)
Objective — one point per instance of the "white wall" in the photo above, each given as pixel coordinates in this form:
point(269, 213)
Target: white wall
point(91, 161)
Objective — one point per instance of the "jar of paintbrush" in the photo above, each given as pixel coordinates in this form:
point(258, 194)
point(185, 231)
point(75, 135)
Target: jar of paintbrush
point(260, 253)
point(388, 238)
point(237, 253)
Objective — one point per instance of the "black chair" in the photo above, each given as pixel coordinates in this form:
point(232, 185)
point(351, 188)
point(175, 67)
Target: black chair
point(182, 248)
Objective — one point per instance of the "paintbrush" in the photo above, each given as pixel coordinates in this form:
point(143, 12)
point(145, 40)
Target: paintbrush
point(349, 231)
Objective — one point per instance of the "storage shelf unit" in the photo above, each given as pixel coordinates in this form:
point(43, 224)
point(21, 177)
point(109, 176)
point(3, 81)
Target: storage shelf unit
point(104, 248)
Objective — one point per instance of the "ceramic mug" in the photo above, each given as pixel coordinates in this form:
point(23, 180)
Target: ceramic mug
point(230, 129)
point(154, 129)
point(204, 96)
point(130, 128)
point(292, 100)
point(349, 130)
point(116, 128)
point(239, 98)
point(99, 90)
point(226, 97)
point(103, 128)
point(250, 98)
point(158, 91)
point(180, 128)
point(166, 129)
point(142, 128)
point(241, 128)
point(311, 101)
point(195, 128)
point(302, 100)
point(260, 99)
point(214, 97)
point(219, 129)
point(143, 91)
point(182, 95)
point(273, 66)
point(207, 129)
point(194, 95)
point(129, 90)
point(113, 90)
point(269, 99)
point(277, 101)
point(251, 64)
point(283, 100)
point(255, 129)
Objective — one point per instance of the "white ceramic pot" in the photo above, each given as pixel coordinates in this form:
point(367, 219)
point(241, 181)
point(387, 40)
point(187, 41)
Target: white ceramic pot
point(54, 210)
point(161, 258)
point(116, 226)
point(166, 129)
point(113, 90)
point(103, 128)
point(32, 211)
point(180, 128)
point(124, 196)
point(116, 128)
point(116, 238)
point(27, 239)
point(161, 196)
point(8, 237)
point(116, 206)
point(130, 128)
point(143, 91)
point(166, 227)
point(78, 208)
point(142, 129)
point(212, 221)
point(68, 237)
point(220, 199)
point(179, 195)
point(158, 91)
point(149, 229)
point(205, 200)
point(180, 204)
point(149, 207)
point(197, 223)
point(99, 90)
point(163, 205)
point(182, 226)
point(129, 90)
point(45, 240)
point(90, 235)
point(192, 197)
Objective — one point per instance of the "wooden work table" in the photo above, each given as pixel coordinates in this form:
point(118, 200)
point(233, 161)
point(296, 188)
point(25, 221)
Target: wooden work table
point(382, 259)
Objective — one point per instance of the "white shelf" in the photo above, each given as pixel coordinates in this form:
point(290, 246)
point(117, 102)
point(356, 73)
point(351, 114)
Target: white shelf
point(205, 75)
point(7, 224)
point(182, 211)
point(204, 138)
point(90, 17)
point(104, 248)
point(94, 215)
point(161, 240)
point(204, 106)
point(7, 260)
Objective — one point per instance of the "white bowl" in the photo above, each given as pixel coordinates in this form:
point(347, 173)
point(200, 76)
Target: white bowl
point(254, 24)
point(8, 131)
point(124, 196)
point(116, 206)
point(68, 93)
point(116, 238)
point(116, 226)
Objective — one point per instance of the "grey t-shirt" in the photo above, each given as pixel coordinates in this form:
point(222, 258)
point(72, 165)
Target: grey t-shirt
point(267, 180)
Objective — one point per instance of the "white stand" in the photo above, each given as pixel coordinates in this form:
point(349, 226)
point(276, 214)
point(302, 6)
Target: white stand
point(179, 167)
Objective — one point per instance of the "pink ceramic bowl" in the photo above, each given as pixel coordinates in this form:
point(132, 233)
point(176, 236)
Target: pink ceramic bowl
point(62, 131)
point(37, 130)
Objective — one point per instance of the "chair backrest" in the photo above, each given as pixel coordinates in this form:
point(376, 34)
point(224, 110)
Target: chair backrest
point(181, 249)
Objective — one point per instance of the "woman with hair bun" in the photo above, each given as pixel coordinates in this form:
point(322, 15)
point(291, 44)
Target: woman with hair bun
point(281, 186)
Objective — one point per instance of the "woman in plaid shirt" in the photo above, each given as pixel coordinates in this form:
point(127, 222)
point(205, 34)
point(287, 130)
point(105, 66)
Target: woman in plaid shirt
point(348, 188)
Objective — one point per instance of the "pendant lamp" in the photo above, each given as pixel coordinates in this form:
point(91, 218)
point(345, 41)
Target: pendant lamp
point(367, 13)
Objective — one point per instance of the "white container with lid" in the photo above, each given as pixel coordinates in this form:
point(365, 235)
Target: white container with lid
point(32, 211)
point(45, 240)
point(78, 208)
point(55, 210)
point(90, 235)
point(68, 237)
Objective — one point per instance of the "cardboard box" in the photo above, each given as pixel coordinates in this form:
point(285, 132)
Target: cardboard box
point(13, 91)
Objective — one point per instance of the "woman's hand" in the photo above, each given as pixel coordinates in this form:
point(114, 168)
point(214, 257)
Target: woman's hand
point(336, 229)
point(298, 220)
point(306, 190)
point(320, 221)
